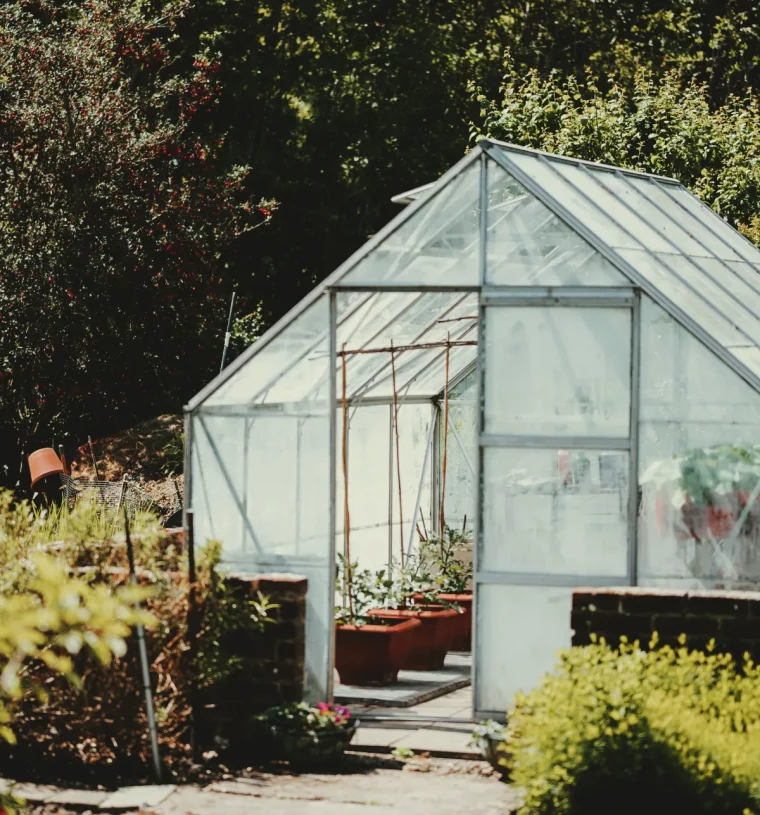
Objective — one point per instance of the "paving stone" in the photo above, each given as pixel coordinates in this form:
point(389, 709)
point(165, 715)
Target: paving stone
point(377, 737)
point(439, 742)
point(35, 793)
point(128, 799)
point(79, 799)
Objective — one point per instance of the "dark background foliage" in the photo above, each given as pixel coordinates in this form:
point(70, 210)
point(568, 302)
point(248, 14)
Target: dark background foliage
point(154, 134)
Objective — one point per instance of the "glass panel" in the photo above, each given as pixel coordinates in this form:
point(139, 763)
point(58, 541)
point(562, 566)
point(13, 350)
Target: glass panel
point(598, 222)
point(595, 184)
point(421, 371)
point(749, 357)
point(738, 278)
point(557, 371)
point(675, 237)
point(732, 308)
point(438, 244)
point(698, 463)
point(748, 273)
point(303, 336)
point(711, 220)
point(530, 246)
point(521, 630)
point(461, 454)
point(410, 325)
point(555, 511)
point(655, 192)
point(694, 306)
point(260, 485)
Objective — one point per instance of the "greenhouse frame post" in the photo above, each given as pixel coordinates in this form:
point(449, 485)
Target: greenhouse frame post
point(633, 456)
point(332, 534)
point(479, 385)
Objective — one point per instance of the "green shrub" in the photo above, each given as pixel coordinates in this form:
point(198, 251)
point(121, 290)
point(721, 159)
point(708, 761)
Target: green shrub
point(630, 731)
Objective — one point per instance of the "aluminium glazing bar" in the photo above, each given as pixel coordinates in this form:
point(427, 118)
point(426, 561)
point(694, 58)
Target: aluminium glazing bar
point(420, 487)
point(187, 487)
point(332, 279)
point(663, 260)
point(333, 515)
point(594, 297)
point(695, 237)
point(477, 525)
point(626, 268)
point(706, 222)
point(575, 161)
point(693, 258)
point(544, 579)
point(555, 442)
point(633, 461)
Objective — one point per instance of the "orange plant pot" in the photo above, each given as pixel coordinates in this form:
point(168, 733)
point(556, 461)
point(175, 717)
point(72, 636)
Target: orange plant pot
point(43, 463)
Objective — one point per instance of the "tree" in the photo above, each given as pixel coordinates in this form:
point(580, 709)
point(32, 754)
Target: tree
point(117, 222)
point(658, 125)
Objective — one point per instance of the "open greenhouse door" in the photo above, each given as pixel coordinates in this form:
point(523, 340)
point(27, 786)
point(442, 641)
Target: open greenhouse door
point(556, 447)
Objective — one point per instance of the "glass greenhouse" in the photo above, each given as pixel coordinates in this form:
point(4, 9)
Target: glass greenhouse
point(594, 335)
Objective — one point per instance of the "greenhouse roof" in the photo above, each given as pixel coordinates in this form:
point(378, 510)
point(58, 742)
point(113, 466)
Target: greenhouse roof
point(551, 221)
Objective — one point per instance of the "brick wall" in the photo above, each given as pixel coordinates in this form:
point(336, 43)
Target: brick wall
point(732, 619)
point(272, 670)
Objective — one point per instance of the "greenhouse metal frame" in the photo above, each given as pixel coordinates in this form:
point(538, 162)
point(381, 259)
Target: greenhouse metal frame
point(589, 326)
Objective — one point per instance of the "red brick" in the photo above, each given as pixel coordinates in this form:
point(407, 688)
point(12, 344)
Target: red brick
point(719, 604)
point(740, 629)
point(691, 625)
point(596, 600)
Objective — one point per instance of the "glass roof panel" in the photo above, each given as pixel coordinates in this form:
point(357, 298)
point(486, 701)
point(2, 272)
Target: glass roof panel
point(712, 221)
point(750, 357)
point(594, 184)
point(438, 244)
point(655, 191)
point(682, 296)
point(738, 278)
point(748, 273)
point(599, 223)
point(676, 237)
point(528, 245)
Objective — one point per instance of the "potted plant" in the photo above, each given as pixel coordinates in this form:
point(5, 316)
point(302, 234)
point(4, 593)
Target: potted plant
point(710, 489)
point(452, 578)
point(408, 597)
point(304, 735)
point(490, 738)
point(368, 650)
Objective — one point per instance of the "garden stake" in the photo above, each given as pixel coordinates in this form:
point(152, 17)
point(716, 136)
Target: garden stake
point(398, 458)
point(445, 439)
point(228, 333)
point(346, 513)
point(143, 658)
point(192, 621)
point(94, 462)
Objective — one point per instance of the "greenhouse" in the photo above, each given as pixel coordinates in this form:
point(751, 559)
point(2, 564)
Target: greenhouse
point(561, 356)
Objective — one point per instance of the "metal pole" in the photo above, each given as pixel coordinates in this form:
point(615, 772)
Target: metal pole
point(94, 462)
point(228, 333)
point(143, 658)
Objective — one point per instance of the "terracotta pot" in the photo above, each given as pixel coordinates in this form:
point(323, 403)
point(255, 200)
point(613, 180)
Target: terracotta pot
point(43, 463)
point(462, 638)
point(431, 641)
point(373, 654)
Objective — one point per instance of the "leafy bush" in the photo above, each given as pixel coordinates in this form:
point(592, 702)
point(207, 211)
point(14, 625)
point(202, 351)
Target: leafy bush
point(79, 731)
point(629, 731)
point(453, 574)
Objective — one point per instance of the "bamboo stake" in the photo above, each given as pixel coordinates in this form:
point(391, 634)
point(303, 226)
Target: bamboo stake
point(398, 458)
point(441, 528)
point(346, 513)
point(421, 346)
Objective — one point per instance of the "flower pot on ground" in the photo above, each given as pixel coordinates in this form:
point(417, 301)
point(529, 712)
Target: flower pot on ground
point(462, 637)
point(431, 641)
point(451, 578)
point(308, 737)
point(373, 653)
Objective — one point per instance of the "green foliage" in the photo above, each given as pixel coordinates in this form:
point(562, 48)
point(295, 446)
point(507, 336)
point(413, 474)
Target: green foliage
point(174, 455)
point(116, 217)
point(656, 123)
point(453, 575)
point(223, 614)
point(672, 730)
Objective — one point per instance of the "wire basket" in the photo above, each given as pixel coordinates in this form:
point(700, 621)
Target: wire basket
point(111, 495)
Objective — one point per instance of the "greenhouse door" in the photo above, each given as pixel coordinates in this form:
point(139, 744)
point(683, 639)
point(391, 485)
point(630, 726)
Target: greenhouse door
point(557, 453)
